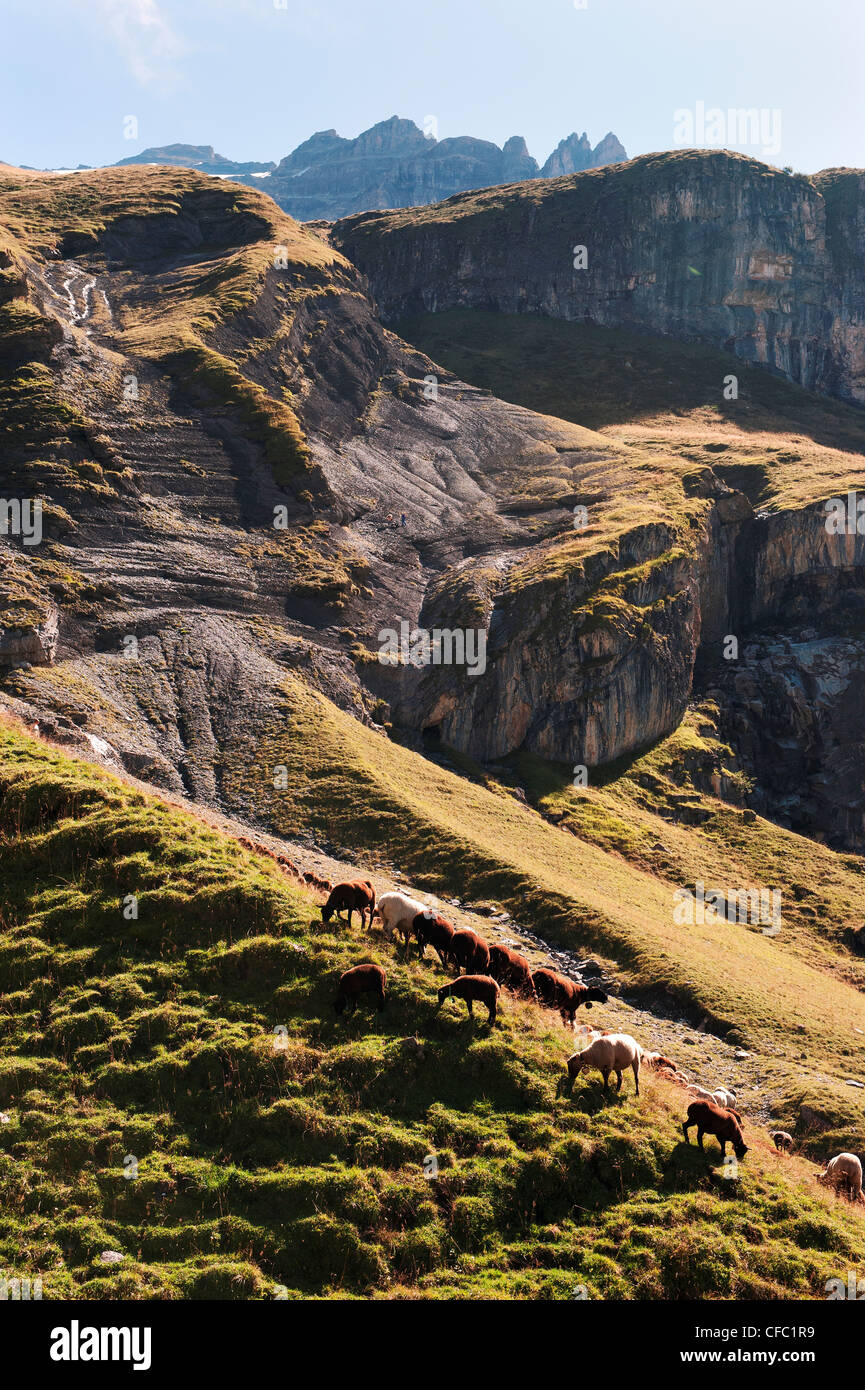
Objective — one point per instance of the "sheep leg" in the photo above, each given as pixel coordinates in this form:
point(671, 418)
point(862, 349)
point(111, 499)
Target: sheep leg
point(618, 1081)
point(686, 1126)
point(606, 1076)
point(636, 1067)
point(492, 1018)
point(700, 1134)
point(471, 1010)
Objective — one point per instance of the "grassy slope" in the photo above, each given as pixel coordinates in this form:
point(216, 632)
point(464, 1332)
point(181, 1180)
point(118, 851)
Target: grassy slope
point(780, 444)
point(303, 1167)
point(166, 314)
point(793, 996)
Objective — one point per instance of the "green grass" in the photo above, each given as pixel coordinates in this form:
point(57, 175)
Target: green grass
point(797, 998)
point(303, 1167)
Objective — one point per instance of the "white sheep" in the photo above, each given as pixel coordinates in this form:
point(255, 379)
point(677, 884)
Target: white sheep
point(700, 1093)
point(725, 1098)
point(843, 1171)
point(398, 911)
point(612, 1052)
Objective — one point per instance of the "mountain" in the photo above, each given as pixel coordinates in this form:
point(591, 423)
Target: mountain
point(245, 480)
point(573, 155)
point(394, 164)
point(391, 165)
point(202, 157)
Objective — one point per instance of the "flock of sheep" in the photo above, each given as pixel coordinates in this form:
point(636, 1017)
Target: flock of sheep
point(489, 968)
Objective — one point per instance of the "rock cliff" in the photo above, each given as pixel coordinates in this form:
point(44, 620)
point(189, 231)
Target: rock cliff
point(695, 245)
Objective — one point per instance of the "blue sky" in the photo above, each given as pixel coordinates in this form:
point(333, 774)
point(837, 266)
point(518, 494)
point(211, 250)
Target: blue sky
point(255, 77)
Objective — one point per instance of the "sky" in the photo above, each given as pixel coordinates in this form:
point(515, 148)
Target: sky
point(254, 78)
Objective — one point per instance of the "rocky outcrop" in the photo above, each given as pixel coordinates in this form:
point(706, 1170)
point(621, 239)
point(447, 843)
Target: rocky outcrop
point(700, 245)
point(34, 645)
point(394, 165)
point(579, 668)
point(573, 155)
point(596, 664)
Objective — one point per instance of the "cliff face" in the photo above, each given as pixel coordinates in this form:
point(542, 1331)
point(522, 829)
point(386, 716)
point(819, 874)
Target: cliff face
point(696, 245)
point(594, 665)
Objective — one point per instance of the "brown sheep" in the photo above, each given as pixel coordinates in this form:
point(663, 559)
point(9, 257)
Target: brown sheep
point(323, 885)
point(480, 964)
point(714, 1119)
point(473, 987)
point(358, 896)
point(431, 929)
point(361, 979)
point(511, 969)
point(782, 1140)
point(558, 992)
point(469, 952)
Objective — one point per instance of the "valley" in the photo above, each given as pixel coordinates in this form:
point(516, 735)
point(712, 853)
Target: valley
point(255, 448)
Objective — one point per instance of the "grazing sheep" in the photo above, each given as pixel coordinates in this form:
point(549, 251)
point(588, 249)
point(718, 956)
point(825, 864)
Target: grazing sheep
point(715, 1119)
point(323, 885)
point(511, 969)
point(725, 1097)
point(702, 1094)
point(665, 1068)
point(473, 987)
point(782, 1140)
point(481, 957)
point(844, 1173)
point(361, 979)
point(470, 952)
point(431, 929)
point(614, 1052)
point(358, 896)
point(398, 912)
point(558, 992)
point(658, 1062)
